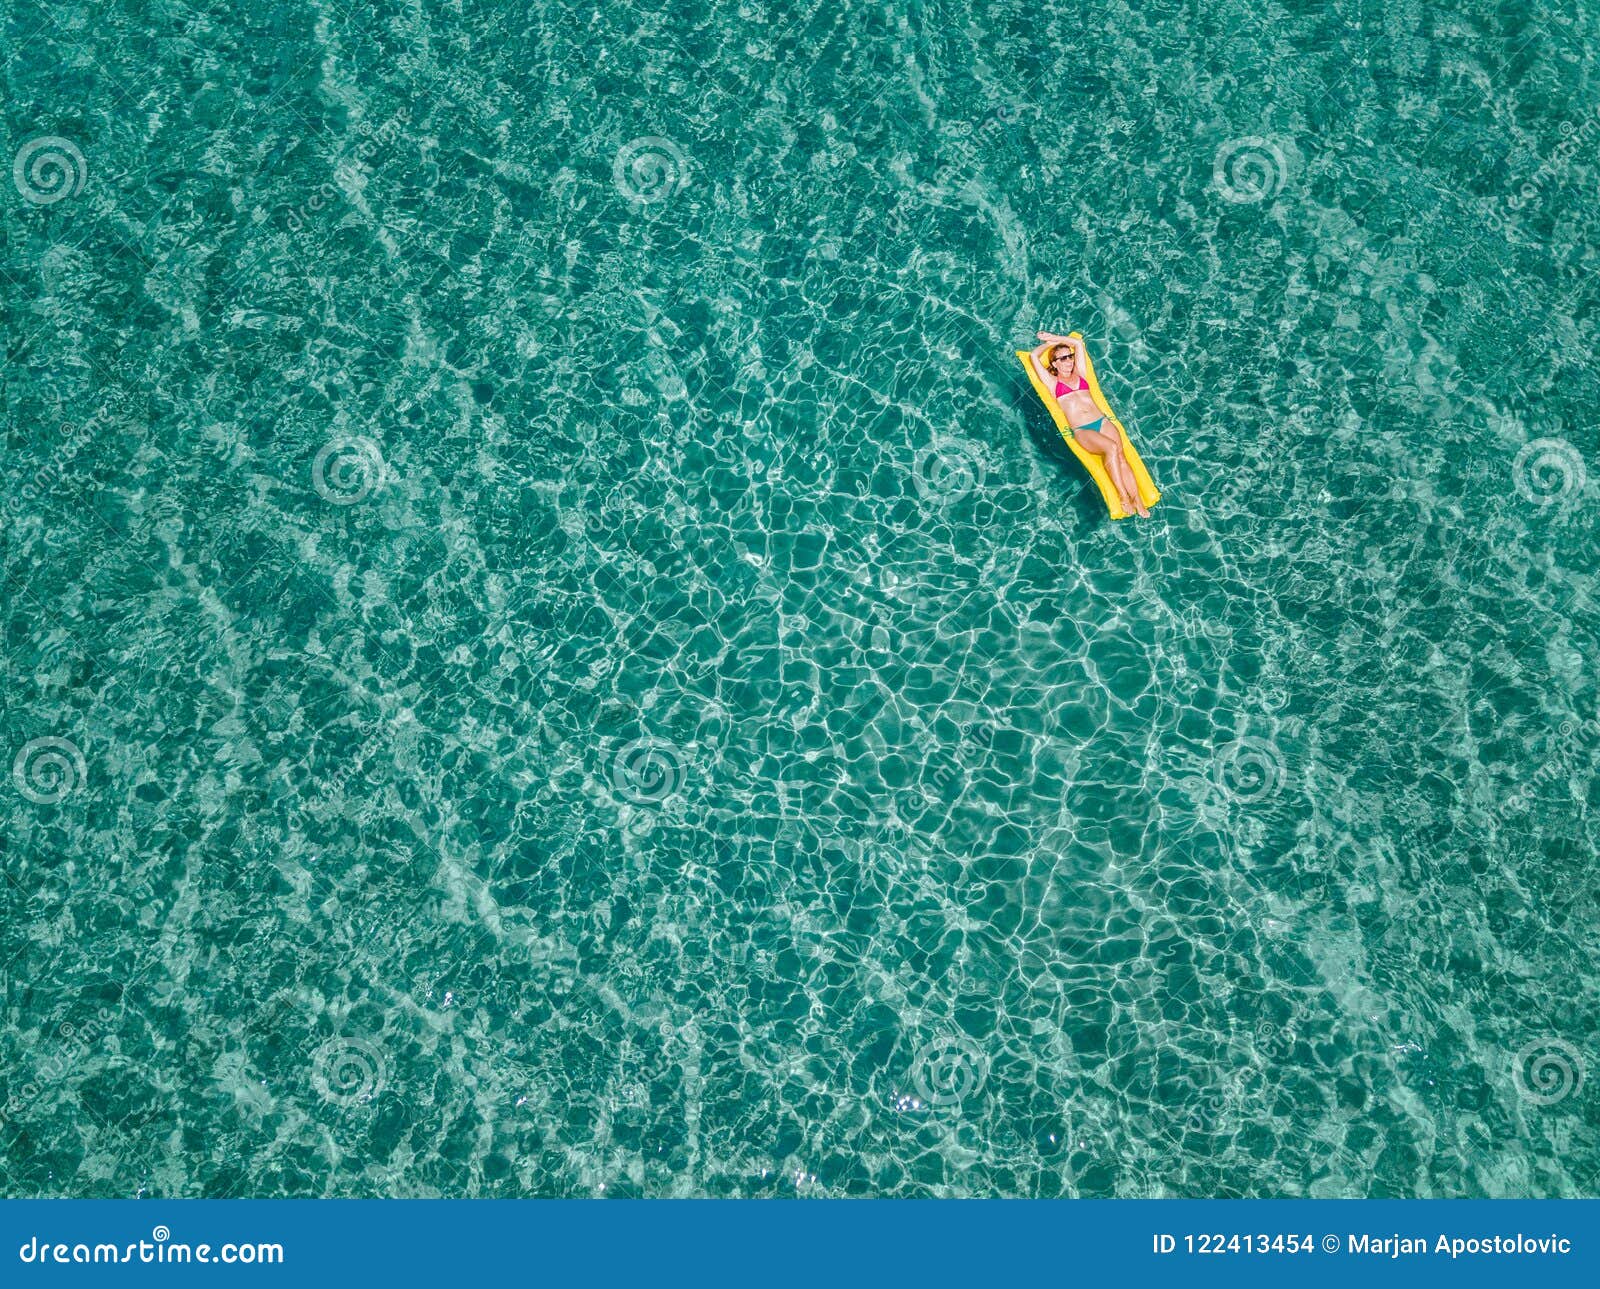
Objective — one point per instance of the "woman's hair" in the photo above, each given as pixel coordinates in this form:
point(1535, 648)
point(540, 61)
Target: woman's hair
point(1055, 354)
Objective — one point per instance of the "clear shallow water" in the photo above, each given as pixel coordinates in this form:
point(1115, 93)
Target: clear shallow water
point(581, 667)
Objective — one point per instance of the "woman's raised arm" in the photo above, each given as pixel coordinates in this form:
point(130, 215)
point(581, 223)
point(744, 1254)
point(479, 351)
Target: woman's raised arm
point(1037, 355)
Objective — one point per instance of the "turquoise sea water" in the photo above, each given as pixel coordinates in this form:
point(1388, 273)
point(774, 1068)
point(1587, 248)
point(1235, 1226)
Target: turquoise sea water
point(549, 648)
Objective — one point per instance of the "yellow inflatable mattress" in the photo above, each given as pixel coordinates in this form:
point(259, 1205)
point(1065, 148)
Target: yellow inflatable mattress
point(1091, 462)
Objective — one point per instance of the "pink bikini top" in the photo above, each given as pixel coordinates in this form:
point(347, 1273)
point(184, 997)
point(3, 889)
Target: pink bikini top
point(1062, 389)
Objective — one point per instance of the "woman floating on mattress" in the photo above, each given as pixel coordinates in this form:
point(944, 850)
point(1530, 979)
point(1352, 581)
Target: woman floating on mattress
point(1060, 364)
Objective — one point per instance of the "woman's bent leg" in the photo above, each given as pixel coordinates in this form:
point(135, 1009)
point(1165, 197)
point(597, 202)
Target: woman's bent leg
point(1104, 445)
point(1117, 460)
point(1131, 481)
